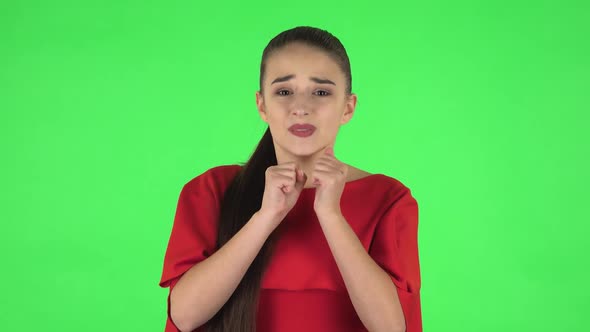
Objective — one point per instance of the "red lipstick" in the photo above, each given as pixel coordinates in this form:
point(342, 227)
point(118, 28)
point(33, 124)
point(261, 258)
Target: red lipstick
point(302, 129)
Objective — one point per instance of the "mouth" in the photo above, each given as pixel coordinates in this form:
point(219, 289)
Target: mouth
point(302, 130)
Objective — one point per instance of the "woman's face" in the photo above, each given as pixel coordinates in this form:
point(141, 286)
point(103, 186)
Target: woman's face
point(303, 85)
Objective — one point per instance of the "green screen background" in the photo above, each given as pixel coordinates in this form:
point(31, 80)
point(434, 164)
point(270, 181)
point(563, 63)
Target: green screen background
point(107, 108)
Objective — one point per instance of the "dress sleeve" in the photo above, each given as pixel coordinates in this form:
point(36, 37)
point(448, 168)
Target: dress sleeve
point(193, 237)
point(395, 249)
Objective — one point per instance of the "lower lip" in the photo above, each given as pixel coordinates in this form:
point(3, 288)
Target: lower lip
point(302, 133)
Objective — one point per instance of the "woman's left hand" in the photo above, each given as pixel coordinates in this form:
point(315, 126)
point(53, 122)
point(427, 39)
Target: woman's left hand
point(329, 176)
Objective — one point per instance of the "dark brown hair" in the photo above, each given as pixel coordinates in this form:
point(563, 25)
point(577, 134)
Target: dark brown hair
point(243, 197)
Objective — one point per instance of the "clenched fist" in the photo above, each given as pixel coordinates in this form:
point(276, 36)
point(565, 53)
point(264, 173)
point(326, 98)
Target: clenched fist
point(283, 184)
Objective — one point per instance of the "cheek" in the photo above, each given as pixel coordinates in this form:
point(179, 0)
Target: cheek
point(277, 105)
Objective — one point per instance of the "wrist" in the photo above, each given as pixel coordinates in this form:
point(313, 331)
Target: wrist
point(268, 221)
point(329, 215)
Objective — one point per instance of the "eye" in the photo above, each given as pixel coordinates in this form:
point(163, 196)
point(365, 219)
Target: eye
point(323, 93)
point(283, 92)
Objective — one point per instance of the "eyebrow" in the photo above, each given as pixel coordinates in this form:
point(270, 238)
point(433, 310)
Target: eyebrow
point(315, 79)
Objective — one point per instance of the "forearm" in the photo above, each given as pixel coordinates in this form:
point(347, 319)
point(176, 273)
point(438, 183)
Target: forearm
point(370, 288)
point(206, 287)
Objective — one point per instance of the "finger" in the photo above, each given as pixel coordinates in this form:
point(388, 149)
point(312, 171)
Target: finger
point(301, 173)
point(283, 181)
point(301, 180)
point(344, 169)
point(319, 176)
point(326, 165)
point(328, 161)
point(285, 172)
point(327, 158)
point(289, 165)
point(324, 168)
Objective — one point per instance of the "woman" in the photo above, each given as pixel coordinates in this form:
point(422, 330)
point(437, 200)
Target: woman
point(294, 239)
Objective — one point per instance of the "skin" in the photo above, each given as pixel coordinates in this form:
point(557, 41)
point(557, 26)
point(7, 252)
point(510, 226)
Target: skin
point(209, 284)
point(301, 100)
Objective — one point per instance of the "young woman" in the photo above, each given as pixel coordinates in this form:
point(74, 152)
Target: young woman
point(295, 239)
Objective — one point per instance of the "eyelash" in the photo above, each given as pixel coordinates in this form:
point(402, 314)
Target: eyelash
point(282, 95)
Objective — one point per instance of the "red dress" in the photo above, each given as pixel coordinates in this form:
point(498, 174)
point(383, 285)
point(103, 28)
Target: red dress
point(302, 289)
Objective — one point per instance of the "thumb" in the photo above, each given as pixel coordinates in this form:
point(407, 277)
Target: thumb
point(301, 179)
point(330, 150)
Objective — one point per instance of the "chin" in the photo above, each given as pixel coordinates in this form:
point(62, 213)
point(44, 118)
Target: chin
point(307, 151)
point(303, 152)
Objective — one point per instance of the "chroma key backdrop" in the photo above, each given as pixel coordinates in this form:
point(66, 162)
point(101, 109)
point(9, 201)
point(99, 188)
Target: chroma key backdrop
point(107, 108)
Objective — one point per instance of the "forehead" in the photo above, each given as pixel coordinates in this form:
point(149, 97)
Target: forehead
point(302, 60)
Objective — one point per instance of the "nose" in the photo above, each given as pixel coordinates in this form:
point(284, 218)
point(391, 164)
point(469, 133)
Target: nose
point(299, 111)
point(300, 106)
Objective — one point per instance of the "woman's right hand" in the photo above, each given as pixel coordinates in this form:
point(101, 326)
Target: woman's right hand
point(283, 184)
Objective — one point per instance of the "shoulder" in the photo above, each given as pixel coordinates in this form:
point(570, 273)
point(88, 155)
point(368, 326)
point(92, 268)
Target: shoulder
point(224, 171)
point(394, 191)
point(214, 179)
point(400, 197)
point(378, 181)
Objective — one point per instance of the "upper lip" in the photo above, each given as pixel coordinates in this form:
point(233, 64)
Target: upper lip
point(302, 126)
